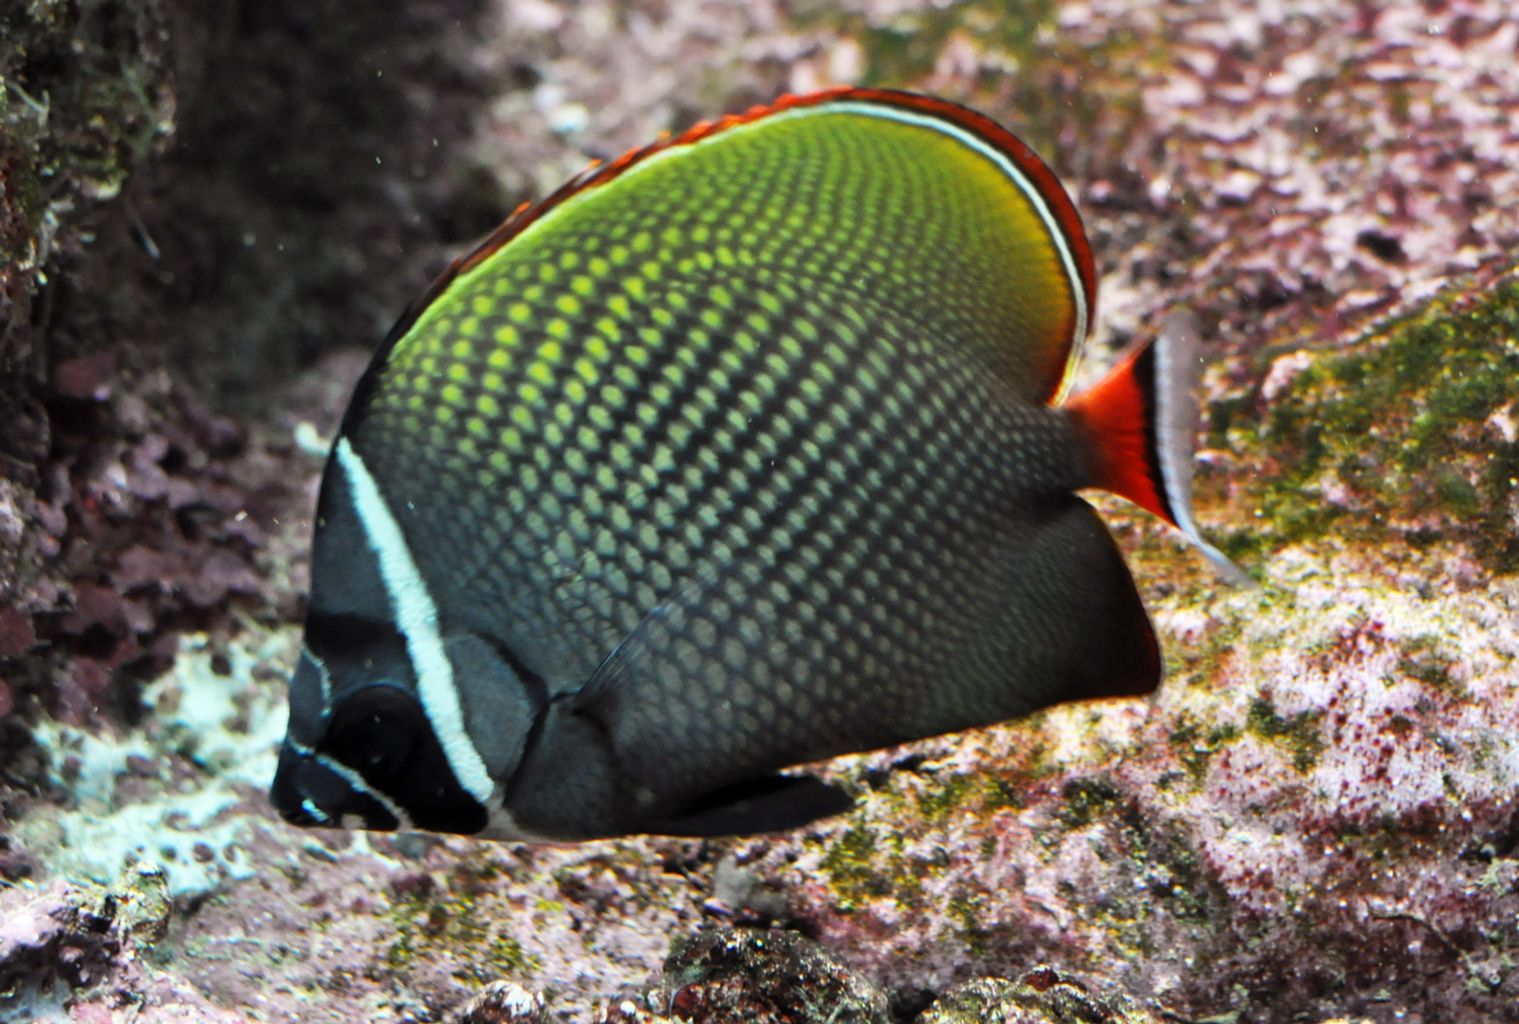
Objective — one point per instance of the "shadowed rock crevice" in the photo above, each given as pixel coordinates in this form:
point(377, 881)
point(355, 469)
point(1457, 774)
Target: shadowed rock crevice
point(195, 202)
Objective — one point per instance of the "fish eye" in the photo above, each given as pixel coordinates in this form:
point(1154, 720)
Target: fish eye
point(375, 732)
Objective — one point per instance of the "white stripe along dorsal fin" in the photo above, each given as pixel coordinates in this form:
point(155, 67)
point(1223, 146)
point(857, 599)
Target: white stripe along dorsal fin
point(417, 620)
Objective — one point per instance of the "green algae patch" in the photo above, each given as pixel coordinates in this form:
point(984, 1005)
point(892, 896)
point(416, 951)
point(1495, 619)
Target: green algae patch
point(1000, 792)
point(1415, 429)
point(969, 917)
point(1423, 658)
point(1300, 734)
point(947, 793)
point(1087, 799)
point(850, 865)
point(444, 922)
point(1195, 743)
point(873, 861)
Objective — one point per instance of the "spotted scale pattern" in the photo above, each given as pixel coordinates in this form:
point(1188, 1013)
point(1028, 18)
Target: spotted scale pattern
point(744, 445)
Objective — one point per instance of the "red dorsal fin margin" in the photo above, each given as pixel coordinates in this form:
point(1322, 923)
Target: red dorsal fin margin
point(1140, 421)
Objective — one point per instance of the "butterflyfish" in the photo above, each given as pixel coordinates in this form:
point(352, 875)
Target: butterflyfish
point(747, 449)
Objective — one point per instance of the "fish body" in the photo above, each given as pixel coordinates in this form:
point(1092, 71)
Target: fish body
point(745, 450)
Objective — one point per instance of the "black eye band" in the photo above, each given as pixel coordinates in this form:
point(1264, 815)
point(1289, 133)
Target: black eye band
point(375, 732)
point(334, 634)
point(308, 791)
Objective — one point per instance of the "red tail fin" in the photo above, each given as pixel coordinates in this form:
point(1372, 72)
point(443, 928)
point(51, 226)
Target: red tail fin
point(1141, 419)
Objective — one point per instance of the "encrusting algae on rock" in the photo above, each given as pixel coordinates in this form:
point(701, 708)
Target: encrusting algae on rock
point(1411, 432)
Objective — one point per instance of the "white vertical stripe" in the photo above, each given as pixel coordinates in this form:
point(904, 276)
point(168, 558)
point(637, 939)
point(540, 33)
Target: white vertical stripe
point(322, 675)
point(417, 620)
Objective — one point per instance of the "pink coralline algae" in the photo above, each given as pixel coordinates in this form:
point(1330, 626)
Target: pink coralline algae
point(1330, 162)
point(152, 520)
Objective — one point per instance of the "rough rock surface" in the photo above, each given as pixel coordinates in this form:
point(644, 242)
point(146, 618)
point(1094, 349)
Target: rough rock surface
point(501, 1002)
point(203, 223)
point(764, 977)
point(1042, 996)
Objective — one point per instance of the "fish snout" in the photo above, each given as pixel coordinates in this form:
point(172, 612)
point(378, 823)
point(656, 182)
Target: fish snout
point(311, 790)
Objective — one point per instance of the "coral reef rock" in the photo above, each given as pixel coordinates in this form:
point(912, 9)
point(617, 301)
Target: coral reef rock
point(1042, 996)
point(761, 977)
point(501, 1002)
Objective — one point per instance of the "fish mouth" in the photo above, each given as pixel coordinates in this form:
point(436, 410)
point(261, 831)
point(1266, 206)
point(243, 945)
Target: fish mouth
point(313, 791)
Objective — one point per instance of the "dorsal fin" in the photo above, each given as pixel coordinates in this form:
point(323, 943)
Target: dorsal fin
point(1032, 176)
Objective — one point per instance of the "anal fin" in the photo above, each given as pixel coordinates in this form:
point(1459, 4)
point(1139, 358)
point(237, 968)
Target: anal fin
point(1081, 628)
point(773, 803)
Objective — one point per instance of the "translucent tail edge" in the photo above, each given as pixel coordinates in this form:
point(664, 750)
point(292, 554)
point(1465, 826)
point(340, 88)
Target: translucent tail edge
point(1141, 420)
